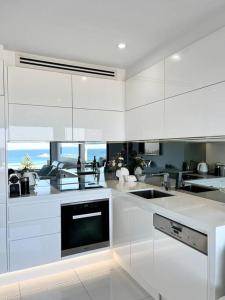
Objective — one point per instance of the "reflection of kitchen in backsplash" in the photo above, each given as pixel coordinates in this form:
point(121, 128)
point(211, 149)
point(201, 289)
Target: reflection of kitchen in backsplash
point(173, 154)
point(215, 153)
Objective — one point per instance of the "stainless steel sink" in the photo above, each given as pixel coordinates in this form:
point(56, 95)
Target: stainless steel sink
point(197, 189)
point(151, 194)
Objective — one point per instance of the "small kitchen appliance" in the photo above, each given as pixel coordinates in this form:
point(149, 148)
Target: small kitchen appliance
point(14, 186)
point(202, 168)
point(33, 177)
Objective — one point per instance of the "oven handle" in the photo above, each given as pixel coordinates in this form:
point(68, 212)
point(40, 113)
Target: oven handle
point(87, 215)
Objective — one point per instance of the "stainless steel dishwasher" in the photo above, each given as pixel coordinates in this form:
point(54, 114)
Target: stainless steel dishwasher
point(181, 256)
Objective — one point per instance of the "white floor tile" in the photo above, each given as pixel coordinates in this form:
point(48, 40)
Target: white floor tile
point(10, 292)
point(110, 284)
point(62, 286)
point(100, 281)
point(47, 282)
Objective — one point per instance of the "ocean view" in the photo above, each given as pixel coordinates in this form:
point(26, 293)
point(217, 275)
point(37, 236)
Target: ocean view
point(40, 157)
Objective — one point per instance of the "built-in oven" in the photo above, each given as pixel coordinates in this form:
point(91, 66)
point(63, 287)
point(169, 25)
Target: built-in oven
point(84, 226)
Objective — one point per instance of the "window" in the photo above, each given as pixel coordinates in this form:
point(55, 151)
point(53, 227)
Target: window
point(68, 151)
point(97, 150)
point(39, 154)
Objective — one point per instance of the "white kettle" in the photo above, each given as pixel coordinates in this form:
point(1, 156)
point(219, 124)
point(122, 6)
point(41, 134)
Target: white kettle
point(202, 168)
point(33, 177)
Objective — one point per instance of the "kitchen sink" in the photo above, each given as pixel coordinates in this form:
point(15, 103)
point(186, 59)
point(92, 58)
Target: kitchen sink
point(151, 194)
point(197, 189)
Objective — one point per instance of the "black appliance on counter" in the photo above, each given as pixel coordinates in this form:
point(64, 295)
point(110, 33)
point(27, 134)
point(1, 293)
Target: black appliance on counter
point(14, 185)
point(84, 226)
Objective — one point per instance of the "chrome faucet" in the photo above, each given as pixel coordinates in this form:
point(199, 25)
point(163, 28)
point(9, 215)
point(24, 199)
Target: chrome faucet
point(166, 180)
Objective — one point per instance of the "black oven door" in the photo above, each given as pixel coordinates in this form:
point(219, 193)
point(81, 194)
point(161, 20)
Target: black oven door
point(84, 226)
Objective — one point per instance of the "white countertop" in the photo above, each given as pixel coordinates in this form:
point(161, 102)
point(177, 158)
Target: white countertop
point(197, 212)
point(218, 183)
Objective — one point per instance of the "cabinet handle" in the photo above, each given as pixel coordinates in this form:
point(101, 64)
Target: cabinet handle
point(87, 215)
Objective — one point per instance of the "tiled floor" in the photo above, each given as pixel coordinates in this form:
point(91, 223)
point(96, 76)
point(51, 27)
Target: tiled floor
point(102, 281)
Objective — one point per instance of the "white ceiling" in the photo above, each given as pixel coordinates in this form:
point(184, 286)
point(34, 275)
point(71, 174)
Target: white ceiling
point(89, 30)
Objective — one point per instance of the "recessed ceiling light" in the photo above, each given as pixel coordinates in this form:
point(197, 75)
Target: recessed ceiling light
point(84, 78)
point(121, 45)
point(176, 57)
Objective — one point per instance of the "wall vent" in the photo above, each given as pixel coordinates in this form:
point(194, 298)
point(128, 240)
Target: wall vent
point(57, 65)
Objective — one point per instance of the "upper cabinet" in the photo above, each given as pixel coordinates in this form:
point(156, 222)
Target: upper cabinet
point(39, 123)
point(98, 125)
point(146, 122)
point(1, 78)
point(145, 87)
point(98, 93)
point(198, 113)
point(196, 66)
point(37, 87)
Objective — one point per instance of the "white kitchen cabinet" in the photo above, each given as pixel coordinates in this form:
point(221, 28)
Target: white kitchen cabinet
point(35, 251)
point(197, 113)
point(142, 254)
point(98, 93)
point(145, 122)
point(37, 87)
point(181, 272)
point(3, 255)
point(30, 211)
point(145, 87)
point(196, 66)
point(98, 125)
point(27, 229)
point(39, 123)
point(121, 229)
point(1, 78)
point(2, 151)
point(184, 115)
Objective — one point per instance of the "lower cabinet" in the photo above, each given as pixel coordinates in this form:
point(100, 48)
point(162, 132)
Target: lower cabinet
point(159, 263)
point(3, 255)
point(35, 251)
point(142, 258)
point(181, 272)
point(34, 233)
point(121, 229)
point(133, 241)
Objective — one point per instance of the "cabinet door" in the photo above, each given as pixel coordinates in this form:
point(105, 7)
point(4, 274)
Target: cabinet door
point(97, 125)
point(34, 251)
point(98, 93)
point(181, 272)
point(121, 230)
point(142, 259)
point(3, 256)
point(1, 78)
point(37, 87)
point(145, 87)
point(198, 113)
point(39, 123)
point(2, 152)
point(196, 66)
point(145, 122)
point(185, 115)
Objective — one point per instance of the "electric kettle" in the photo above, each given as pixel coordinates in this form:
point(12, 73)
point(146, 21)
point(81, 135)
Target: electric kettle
point(202, 168)
point(33, 177)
